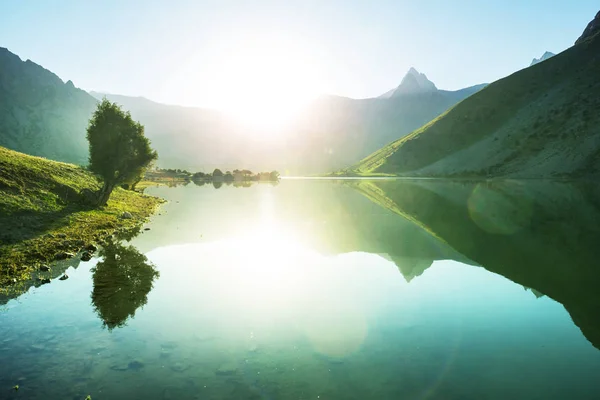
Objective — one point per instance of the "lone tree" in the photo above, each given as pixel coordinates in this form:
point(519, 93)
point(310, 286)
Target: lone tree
point(119, 151)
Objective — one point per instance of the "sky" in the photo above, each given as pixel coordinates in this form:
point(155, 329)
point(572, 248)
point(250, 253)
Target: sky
point(208, 53)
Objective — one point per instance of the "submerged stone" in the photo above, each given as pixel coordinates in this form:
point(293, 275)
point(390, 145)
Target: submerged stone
point(91, 248)
point(37, 347)
point(63, 255)
point(179, 367)
point(135, 365)
point(86, 256)
point(64, 277)
point(226, 369)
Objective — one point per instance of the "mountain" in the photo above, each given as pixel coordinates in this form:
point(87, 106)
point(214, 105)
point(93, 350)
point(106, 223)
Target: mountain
point(544, 57)
point(39, 113)
point(413, 82)
point(591, 29)
point(539, 122)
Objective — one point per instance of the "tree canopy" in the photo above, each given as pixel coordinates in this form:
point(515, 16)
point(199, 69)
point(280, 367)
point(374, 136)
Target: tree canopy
point(119, 151)
point(217, 172)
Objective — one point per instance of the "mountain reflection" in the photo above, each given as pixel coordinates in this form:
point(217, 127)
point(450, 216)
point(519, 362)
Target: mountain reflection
point(542, 235)
point(122, 281)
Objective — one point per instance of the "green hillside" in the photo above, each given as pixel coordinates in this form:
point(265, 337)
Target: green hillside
point(39, 113)
point(42, 213)
point(542, 121)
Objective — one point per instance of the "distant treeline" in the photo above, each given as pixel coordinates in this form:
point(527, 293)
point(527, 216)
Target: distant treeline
point(238, 175)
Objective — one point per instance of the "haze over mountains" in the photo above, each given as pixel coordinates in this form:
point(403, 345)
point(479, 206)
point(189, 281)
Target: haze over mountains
point(540, 122)
point(331, 133)
point(43, 116)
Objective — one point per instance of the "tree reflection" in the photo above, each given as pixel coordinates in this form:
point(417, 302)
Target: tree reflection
point(122, 281)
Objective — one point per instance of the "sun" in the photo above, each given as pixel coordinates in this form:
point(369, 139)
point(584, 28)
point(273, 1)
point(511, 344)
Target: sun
point(264, 83)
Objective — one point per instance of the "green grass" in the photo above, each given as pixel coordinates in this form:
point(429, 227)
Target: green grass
point(550, 105)
point(41, 212)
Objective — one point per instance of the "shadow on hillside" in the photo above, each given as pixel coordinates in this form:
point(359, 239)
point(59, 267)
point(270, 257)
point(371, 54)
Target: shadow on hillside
point(33, 224)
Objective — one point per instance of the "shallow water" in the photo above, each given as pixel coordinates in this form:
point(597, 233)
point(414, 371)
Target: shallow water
point(326, 290)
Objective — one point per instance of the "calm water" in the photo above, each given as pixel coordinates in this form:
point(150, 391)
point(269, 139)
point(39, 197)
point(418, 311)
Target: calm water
point(326, 290)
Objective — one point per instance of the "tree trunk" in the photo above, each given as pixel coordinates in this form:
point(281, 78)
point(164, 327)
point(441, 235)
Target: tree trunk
point(134, 184)
point(104, 194)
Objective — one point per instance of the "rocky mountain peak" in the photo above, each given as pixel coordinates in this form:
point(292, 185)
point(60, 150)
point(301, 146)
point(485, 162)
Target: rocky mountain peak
point(592, 29)
point(544, 57)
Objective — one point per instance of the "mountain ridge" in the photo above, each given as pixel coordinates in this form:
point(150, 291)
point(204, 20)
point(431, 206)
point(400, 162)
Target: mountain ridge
point(539, 122)
point(40, 113)
point(544, 57)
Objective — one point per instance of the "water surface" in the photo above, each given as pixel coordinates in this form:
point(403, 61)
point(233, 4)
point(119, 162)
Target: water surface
point(326, 290)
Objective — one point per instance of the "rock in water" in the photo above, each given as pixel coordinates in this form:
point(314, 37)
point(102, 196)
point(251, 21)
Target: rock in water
point(179, 367)
point(226, 369)
point(86, 256)
point(126, 215)
point(64, 277)
point(91, 248)
point(44, 268)
point(63, 255)
point(135, 365)
point(44, 281)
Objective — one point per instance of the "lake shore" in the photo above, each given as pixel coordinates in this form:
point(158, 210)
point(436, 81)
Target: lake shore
point(44, 219)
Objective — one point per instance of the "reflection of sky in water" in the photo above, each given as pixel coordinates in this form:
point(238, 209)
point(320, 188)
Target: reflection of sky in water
point(260, 314)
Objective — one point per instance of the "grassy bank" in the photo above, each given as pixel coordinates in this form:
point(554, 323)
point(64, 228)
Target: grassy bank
point(43, 215)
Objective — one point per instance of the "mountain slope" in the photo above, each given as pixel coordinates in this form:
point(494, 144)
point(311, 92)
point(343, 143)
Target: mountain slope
point(539, 122)
point(39, 113)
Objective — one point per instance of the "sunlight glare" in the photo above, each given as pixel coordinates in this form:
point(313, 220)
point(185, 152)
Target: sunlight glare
point(264, 83)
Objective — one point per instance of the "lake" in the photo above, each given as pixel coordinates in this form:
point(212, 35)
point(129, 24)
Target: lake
point(320, 289)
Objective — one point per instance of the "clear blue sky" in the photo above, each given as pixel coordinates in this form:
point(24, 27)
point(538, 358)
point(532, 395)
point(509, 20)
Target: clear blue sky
point(170, 51)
